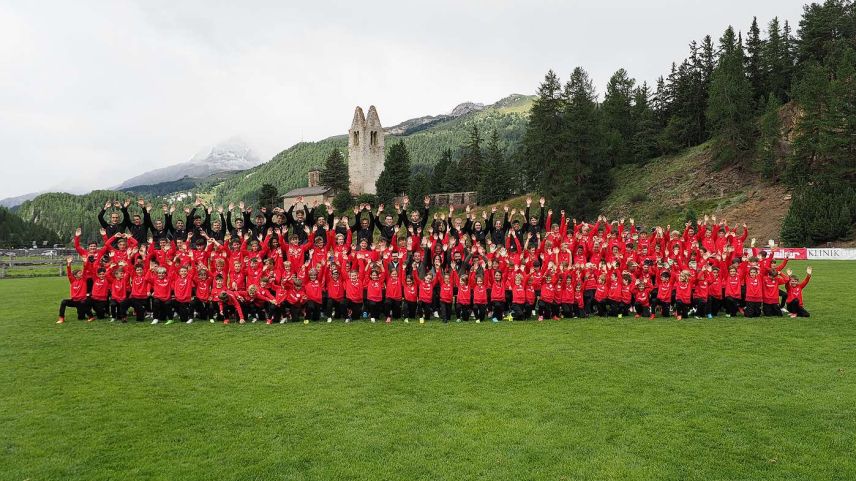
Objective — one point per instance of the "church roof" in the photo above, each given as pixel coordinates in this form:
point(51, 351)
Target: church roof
point(307, 191)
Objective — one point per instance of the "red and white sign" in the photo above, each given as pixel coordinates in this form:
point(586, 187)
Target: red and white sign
point(781, 253)
point(790, 253)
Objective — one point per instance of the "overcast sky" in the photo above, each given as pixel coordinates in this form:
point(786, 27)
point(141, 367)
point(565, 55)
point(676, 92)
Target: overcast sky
point(92, 93)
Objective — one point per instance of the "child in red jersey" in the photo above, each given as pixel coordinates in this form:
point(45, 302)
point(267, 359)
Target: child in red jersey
point(354, 293)
point(335, 293)
point(795, 288)
point(229, 303)
point(701, 300)
point(464, 295)
point(202, 296)
point(119, 301)
point(426, 295)
point(642, 300)
point(771, 282)
point(314, 289)
point(77, 291)
point(394, 293)
point(410, 292)
point(733, 291)
point(754, 293)
point(683, 294)
point(140, 289)
point(100, 290)
point(518, 298)
point(374, 291)
point(297, 301)
point(161, 292)
point(663, 296)
point(447, 296)
point(182, 287)
point(480, 296)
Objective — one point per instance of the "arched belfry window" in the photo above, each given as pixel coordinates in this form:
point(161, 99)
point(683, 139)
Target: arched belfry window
point(373, 138)
point(356, 138)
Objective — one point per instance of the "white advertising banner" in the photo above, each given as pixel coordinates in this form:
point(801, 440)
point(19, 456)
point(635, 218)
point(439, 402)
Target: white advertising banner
point(832, 254)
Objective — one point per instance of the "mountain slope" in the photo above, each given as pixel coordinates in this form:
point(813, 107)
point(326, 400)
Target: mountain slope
point(663, 190)
point(10, 202)
point(425, 137)
point(231, 155)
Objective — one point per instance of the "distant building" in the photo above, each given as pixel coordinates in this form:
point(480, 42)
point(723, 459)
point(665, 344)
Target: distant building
point(311, 194)
point(365, 151)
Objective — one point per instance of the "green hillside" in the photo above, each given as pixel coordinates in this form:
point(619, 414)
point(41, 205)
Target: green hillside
point(287, 170)
point(63, 213)
point(16, 232)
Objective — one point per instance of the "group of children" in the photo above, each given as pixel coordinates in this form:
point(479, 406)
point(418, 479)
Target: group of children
point(293, 266)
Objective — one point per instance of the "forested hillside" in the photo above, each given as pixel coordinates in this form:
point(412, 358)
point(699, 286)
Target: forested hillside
point(15, 232)
point(767, 105)
point(63, 213)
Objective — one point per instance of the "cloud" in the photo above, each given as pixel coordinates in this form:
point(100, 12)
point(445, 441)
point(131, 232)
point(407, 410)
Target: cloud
point(93, 92)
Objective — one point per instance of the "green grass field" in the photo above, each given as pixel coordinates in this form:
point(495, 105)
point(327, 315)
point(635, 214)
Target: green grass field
point(723, 399)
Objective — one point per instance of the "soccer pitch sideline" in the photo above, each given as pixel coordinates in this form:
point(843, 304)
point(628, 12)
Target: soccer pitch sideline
point(742, 399)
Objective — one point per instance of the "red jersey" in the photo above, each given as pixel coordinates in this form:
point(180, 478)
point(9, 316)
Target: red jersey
point(77, 287)
point(795, 292)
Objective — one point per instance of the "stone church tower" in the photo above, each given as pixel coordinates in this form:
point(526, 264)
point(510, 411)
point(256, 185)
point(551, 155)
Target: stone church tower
point(365, 151)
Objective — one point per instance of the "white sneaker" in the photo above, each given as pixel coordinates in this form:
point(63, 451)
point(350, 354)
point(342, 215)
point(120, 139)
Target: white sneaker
point(211, 321)
point(421, 320)
point(478, 321)
point(282, 321)
point(784, 311)
point(155, 321)
point(373, 320)
point(406, 320)
point(254, 321)
point(436, 315)
point(189, 321)
point(329, 319)
point(112, 320)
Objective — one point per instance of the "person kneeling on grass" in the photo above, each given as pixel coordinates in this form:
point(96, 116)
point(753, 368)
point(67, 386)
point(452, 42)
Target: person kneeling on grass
point(795, 288)
point(77, 288)
point(229, 303)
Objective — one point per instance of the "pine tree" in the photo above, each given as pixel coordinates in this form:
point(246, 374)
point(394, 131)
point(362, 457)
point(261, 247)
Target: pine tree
point(542, 141)
point(775, 68)
point(395, 178)
point(755, 70)
point(438, 178)
point(583, 179)
point(335, 172)
point(454, 180)
point(770, 128)
point(826, 140)
point(420, 185)
point(471, 160)
point(497, 179)
point(729, 111)
point(618, 119)
point(824, 28)
point(268, 196)
point(644, 142)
